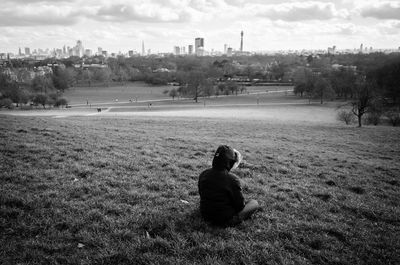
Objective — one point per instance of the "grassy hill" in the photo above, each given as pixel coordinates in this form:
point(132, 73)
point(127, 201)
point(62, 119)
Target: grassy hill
point(123, 190)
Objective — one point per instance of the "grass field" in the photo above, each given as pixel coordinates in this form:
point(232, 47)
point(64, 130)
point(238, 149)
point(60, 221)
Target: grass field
point(123, 190)
point(135, 91)
point(100, 94)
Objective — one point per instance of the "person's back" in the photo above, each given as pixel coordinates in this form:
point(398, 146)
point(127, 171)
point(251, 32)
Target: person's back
point(221, 196)
point(221, 199)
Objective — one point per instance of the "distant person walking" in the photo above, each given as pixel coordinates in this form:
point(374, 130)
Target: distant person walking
point(221, 198)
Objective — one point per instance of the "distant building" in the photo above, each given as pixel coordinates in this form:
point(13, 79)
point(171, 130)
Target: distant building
point(332, 50)
point(229, 52)
point(177, 50)
point(78, 50)
point(361, 48)
point(27, 51)
point(99, 51)
point(199, 46)
point(346, 67)
point(88, 52)
point(190, 49)
point(104, 53)
point(143, 50)
point(130, 53)
point(225, 48)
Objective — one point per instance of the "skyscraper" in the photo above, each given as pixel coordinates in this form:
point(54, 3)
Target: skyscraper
point(177, 50)
point(27, 51)
point(190, 49)
point(199, 46)
point(79, 50)
point(241, 41)
point(143, 51)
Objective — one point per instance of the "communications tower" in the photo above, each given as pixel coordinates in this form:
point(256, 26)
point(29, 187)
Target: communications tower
point(241, 41)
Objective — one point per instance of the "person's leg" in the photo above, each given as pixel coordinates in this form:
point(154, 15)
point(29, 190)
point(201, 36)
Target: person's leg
point(251, 207)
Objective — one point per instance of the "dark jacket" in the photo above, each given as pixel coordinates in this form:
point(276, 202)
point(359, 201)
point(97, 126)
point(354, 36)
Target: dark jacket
point(220, 191)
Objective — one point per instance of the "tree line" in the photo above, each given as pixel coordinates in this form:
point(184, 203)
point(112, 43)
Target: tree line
point(371, 90)
point(358, 78)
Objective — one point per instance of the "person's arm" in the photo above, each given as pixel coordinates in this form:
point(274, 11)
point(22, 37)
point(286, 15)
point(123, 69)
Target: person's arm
point(237, 196)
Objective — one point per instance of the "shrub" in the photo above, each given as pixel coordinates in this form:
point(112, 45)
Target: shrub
point(373, 118)
point(394, 117)
point(345, 116)
point(61, 102)
point(6, 103)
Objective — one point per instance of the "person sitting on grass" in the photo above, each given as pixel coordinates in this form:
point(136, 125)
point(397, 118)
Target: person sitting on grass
point(221, 198)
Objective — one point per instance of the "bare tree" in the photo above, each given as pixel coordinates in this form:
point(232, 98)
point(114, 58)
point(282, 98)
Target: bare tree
point(363, 99)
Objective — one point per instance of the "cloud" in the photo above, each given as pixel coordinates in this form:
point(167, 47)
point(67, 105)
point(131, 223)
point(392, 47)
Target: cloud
point(45, 15)
point(142, 12)
point(36, 1)
point(386, 10)
point(391, 27)
point(299, 11)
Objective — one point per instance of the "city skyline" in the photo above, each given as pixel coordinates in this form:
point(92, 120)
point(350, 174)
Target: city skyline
point(123, 25)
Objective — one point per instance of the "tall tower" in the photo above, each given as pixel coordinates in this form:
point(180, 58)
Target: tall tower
point(241, 41)
point(143, 52)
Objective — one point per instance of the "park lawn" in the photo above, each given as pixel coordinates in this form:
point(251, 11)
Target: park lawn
point(123, 92)
point(109, 190)
point(134, 91)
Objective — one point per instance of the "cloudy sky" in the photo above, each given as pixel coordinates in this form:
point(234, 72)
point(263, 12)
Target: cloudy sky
point(121, 25)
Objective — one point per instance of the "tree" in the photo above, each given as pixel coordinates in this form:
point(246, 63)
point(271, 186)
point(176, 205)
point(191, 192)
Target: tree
point(40, 99)
point(393, 116)
point(24, 96)
point(343, 81)
point(88, 76)
point(322, 89)
point(363, 99)
point(387, 78)
point(208, 88)
point(173, 93)
point(232, 87)
point(6, 103)
point(61, 78)
point(194, 81)
point(299, 88)
point(102, 75)
point(10, 90)
point(277, 71)
point(61, 102)
point(304, 81)
point(42, 84)
point(221, 87)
